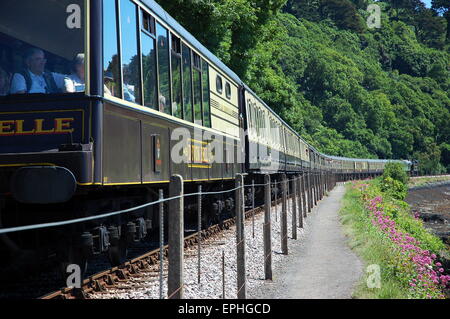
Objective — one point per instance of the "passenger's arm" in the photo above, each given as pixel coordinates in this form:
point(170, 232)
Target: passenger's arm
point(59, 80)
point(107, 91)
point(18, 84)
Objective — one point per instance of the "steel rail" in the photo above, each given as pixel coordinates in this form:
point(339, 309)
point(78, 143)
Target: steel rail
point(110, 277)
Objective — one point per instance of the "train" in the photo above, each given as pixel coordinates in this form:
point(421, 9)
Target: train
point(151, 102)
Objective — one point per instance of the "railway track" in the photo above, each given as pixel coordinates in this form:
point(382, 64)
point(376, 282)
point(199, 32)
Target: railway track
point(112, 277)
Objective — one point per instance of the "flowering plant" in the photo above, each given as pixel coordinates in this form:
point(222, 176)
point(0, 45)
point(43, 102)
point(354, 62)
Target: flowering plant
point(415, 263)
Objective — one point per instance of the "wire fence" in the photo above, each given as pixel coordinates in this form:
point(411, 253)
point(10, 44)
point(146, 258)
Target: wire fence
point(105, 215)
point(305, 190)
point(123, 211)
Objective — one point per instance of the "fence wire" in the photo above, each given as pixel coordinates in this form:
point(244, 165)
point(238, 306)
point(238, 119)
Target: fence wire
point(119, 212)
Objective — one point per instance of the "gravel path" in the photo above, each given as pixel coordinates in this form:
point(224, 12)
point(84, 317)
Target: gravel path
point(320, 265)
point(318, 244)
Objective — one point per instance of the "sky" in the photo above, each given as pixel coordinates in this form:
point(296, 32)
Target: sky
point(427, 3)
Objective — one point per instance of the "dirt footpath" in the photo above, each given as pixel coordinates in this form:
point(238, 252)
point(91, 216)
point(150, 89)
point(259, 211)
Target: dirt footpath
point(320, 264)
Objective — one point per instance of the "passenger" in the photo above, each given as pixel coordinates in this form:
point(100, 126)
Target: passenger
point(109, 83)
point(162, 103)
point(34, 79)
point(75, 81)
point(128, 93)
point(4, 82)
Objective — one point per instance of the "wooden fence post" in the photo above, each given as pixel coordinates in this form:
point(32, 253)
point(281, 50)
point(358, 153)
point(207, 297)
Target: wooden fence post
point(267, 229)
point(240, 237)
point(284, 239)
point(294, 208)
point(176, 239)
point(300, 201)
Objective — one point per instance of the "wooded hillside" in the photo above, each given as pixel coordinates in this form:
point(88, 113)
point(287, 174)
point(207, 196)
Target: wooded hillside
point(347, 89)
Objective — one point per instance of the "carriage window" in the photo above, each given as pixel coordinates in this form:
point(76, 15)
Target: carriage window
point(149, 71)
point(258, 121)
point(163, 64)
point(197, 72)
point(41, 46)
point(197, 97)
point(261, 123)
point(187, 83)
point(131, 83)
point(250, 115)
point(205, 86)
point(111, 69)
point(228, 90)
point(177, 109)
point(219, 85)
point(148, 22)
point(255, 119)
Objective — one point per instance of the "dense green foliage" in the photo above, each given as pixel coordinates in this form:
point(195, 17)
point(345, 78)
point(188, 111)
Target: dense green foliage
point(394, 181)
point(349, 90)
point(396, 172)
point(394, 188)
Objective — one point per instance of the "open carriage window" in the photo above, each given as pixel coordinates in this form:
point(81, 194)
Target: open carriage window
point(41, 46)
point(177, 94)
point(131, 83)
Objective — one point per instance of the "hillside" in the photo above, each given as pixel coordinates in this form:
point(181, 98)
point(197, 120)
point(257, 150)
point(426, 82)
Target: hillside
point(347, 89)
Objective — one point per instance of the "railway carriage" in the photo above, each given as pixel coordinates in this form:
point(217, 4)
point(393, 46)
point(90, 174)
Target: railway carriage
point(154, 102)
point(151, 89)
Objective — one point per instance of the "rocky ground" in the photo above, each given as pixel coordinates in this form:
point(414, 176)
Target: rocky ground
point(432, 203)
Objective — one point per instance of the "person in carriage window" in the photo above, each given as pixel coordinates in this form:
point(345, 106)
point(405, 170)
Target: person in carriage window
point(75, 81)
point(35, 79)
point(4, 82)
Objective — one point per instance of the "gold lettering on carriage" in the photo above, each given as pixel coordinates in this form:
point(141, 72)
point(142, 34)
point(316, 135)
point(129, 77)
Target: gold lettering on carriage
point(201, 154)
point(37, 127)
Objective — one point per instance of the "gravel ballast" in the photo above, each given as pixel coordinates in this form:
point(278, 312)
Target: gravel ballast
point(146, 285)
point(319, 264)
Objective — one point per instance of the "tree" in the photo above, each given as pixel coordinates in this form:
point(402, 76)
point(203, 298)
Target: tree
point(445, 155)
point(443, 7)
point(304, 9)
point(343, 13)
point(348, 91)
point(429, 161)
point(431, 29)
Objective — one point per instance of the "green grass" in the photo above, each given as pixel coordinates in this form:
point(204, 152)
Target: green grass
point(372, 247)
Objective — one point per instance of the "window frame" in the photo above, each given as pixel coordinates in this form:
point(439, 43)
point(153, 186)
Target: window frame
point(148, 23)
point(152, 21)
point(155, 45)
point(179, 56)
point(119, 47)
point(219, 80)
point(191, 82)
point(85, 27)
point(138, 100)
point(197, 68)
point(228, 90)
point(203, 62)
point(169, 67)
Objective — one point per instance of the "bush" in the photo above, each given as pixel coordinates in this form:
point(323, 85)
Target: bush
point(396, 172)
point(394, 188)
